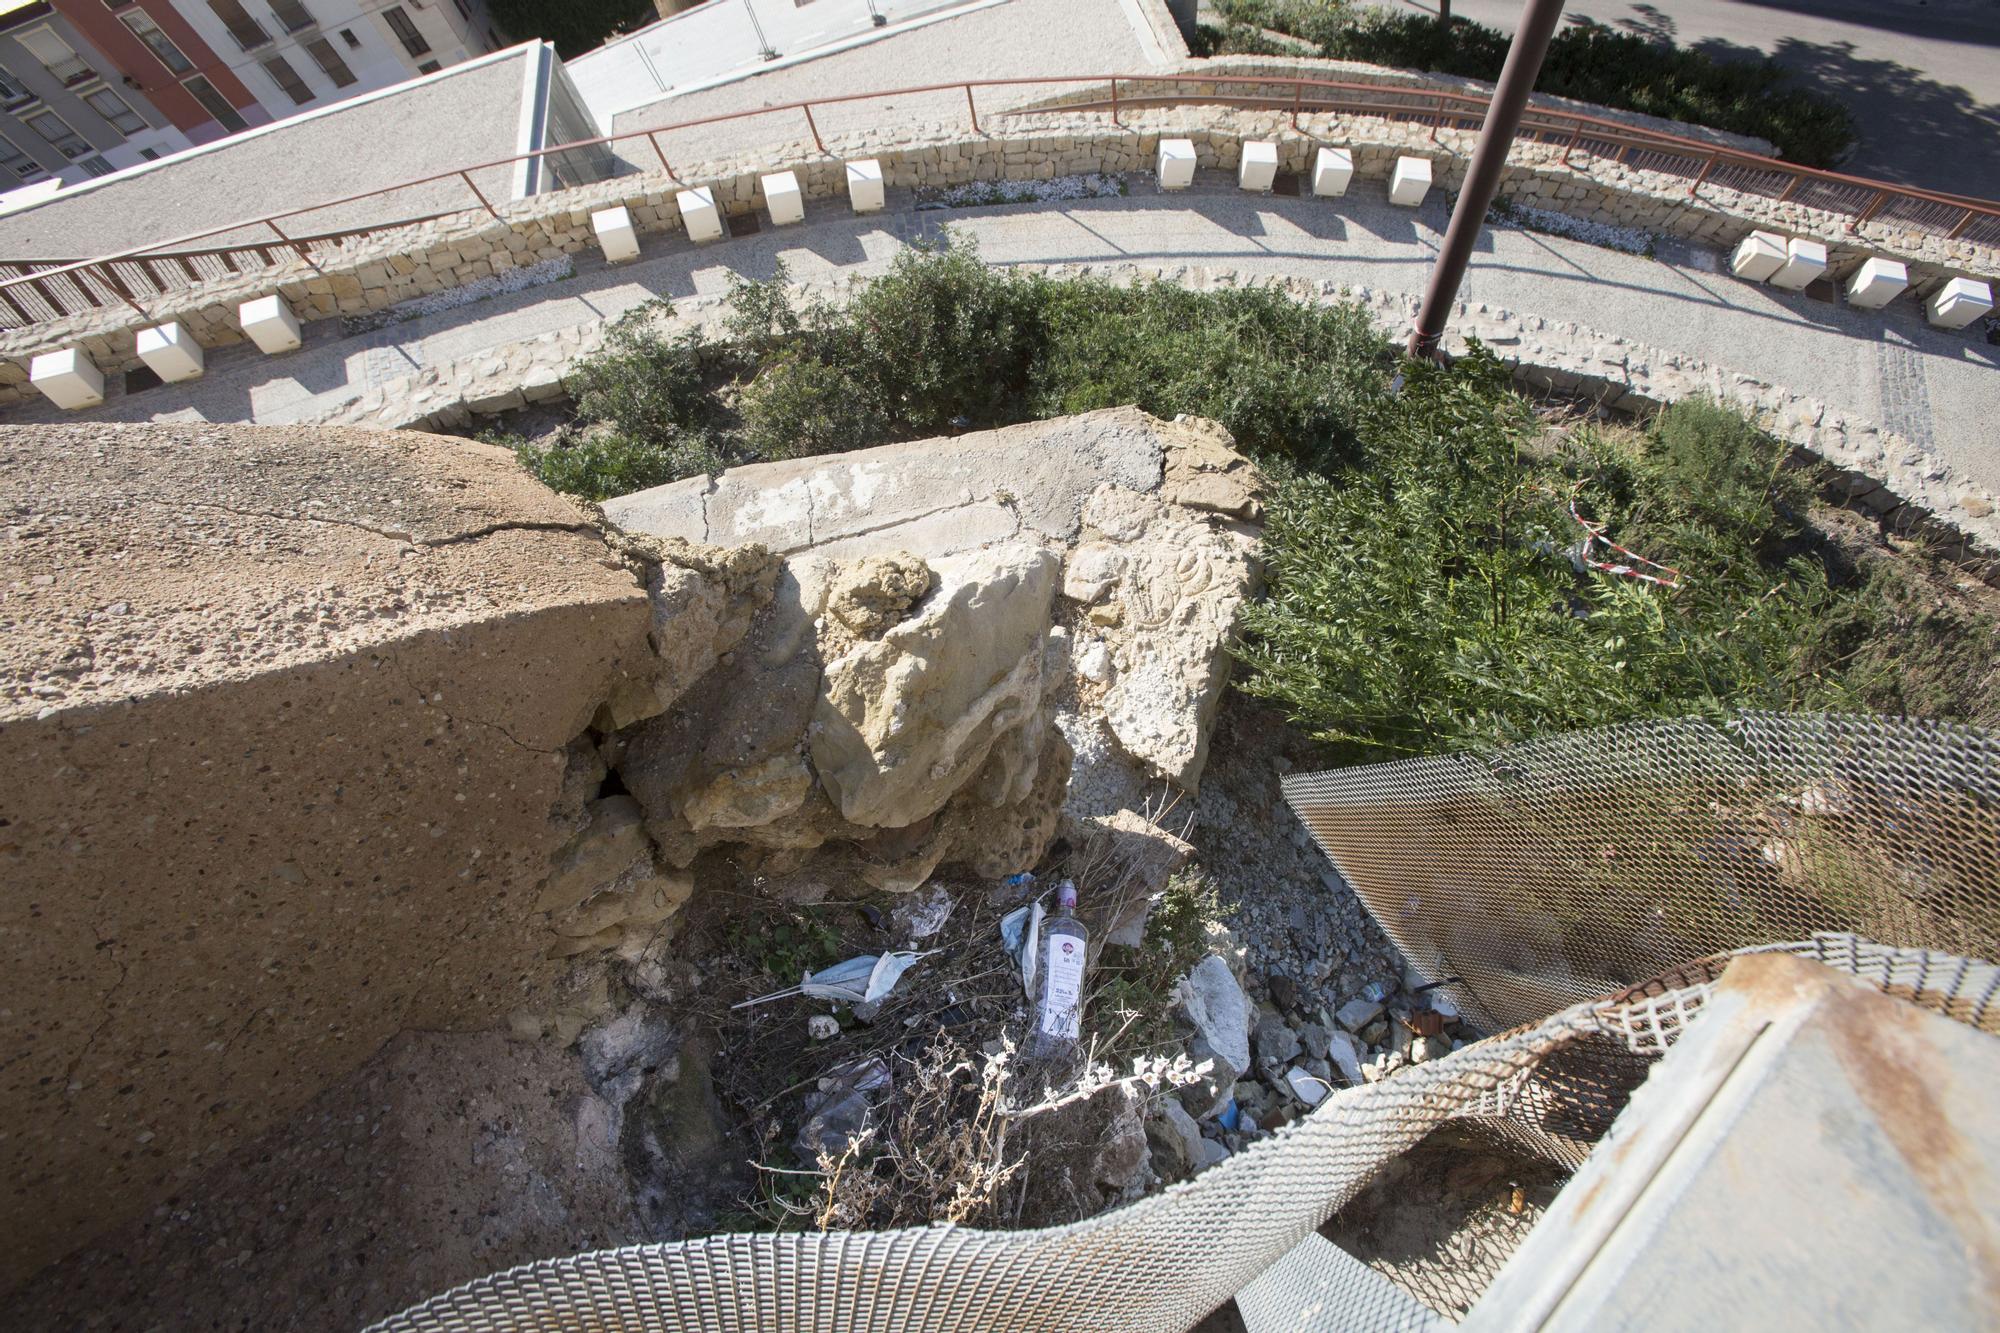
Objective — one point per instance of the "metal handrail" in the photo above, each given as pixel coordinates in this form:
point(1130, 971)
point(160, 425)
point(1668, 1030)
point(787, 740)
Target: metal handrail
point(99, 283)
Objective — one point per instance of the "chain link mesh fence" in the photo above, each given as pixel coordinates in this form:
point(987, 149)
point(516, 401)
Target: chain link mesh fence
point(1584, 889)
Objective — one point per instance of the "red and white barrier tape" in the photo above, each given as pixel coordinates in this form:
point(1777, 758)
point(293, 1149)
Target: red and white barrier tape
point(1593, 535)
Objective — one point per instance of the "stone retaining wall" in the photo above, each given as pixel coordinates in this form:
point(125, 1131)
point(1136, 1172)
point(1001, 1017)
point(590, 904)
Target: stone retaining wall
point(401, 264)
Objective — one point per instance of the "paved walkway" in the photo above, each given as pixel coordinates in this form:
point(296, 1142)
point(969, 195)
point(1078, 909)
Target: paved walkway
point(1939, 390)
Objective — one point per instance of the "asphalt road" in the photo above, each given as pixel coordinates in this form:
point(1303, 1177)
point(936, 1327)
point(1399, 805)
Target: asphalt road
point(1922, 76)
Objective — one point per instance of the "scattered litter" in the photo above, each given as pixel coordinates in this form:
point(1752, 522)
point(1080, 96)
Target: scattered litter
point(864, 980)
point(823, 1027)
point(1230, 1117)
point(921, 918)
point(1059, 1007)
point(1020, 881)
point(838, 1111)
point(1021, 932)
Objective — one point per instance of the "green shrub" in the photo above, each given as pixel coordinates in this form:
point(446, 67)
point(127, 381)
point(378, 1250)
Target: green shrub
point(1702, 483)
point(941, 337)
point(646, 385)
point(1430, 602)
point(1287, 378)
point(598, 465)
point(942, 342)
point(801, 404)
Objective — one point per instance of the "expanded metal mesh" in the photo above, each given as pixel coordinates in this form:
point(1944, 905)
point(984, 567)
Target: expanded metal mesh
point(1583, 887)
point(1159, 1264)
point(1576, 866)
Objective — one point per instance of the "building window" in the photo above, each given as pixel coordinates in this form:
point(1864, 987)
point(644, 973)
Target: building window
point(347, 35)
point(117, 4)
point(288, 78)
point(292, 14)
point(406, 31)
point(248, 32)
point(57, 131)
point(429, 67)
point(213, 102)
point(150, 154)
point(465, 10)
point(329, 62)
point(64, 65)
point(115, 109)
point(20, 163)
point(12, 92)
point(95, 166)
point(158, 42)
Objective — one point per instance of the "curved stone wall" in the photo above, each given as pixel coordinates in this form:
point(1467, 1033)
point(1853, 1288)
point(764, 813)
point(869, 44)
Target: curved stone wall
point(400, 264)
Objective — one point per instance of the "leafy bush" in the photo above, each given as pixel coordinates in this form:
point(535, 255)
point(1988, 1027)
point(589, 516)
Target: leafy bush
point(599, 465)
point(645, 384)
point(1586, 61)
point(1430, 601)
point(647, 413)
point(1288, 379)
point(943, 343)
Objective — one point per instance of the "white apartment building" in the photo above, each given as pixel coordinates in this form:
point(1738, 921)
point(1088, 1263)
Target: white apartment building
point(297, 55)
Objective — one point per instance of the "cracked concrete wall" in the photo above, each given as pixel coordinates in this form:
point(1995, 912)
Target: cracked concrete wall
point(285, 751)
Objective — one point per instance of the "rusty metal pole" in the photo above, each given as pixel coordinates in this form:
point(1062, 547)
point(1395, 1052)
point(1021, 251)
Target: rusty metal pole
point(1489, 158)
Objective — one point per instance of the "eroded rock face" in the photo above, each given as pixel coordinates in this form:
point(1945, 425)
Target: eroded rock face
point(904, 721)
point(1161, 586)
point(948, 615)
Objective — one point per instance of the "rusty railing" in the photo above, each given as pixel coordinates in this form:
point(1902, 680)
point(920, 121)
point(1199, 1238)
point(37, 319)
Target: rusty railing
point(34, 291)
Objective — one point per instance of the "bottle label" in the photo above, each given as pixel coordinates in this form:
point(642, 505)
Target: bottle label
point(1062, 987)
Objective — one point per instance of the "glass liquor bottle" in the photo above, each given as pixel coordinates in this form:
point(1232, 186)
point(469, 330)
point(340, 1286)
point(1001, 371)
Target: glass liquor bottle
point(1059, 1006)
